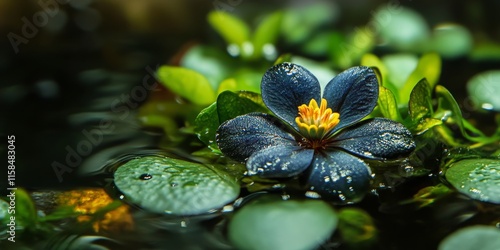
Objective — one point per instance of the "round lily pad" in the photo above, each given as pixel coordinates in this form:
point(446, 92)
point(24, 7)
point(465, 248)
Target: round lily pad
point(472, 238)
point(166, 185)
point(278, 224)
point(476, 178)
point(484, 90)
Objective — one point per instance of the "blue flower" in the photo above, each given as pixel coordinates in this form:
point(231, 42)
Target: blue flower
point(322, 139)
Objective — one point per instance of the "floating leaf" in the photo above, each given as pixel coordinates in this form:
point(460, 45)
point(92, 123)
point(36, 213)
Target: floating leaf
point(230, 27)
point(166, 185)
point(476, 178)
point(187, 83)
point(484, 90)
point(273, 223)
point(473, 237)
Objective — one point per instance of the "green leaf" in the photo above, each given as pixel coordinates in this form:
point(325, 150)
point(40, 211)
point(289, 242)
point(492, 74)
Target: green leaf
point(214, 64)
point(187, 83)
point(484, 90)
point(387, 104)
point(447, 104)
point(230, 27)
point(420, 104)
point(476, 178)
point(421, 126)
point(25, 209)
point(400, 66)
point(266, 34)
point(273, 223)
point(299, 22)
point(429, 67)
point(206, 124)
point(472, 237)
point(230, 105)
point(357, 227)
point(171, 186)
point(402, 28)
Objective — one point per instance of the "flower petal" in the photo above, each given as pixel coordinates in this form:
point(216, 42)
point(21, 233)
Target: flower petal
point(352, 93)
point(280, 161)
point(339, 176)
point(244, 135)
point(377, 138)
point(285, 87)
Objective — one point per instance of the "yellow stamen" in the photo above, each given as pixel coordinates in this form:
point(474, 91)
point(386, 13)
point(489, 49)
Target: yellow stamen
point(316, 121)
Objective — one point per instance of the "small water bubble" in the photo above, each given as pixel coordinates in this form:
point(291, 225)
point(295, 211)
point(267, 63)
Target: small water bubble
point(183, 223)
point(285, 197)
point(121, 197)
point(174, 184)
point(327, 179)
point(145, 177)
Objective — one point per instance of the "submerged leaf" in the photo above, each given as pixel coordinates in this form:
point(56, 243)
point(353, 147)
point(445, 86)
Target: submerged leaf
point(171, 186)
point(272, 223)
point(476, 178)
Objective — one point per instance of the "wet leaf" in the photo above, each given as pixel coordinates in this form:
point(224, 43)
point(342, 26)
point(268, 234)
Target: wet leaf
point(420, 105)
point(484, 90)
point(206, 124)
point(187, 83)
point(228, 106)
point(476, 178)
point(175, 186)
point(273, 223)
point(230, 27)
point(473, 237)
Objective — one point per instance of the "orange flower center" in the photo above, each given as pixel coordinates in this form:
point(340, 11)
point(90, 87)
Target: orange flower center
point(316, 121)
